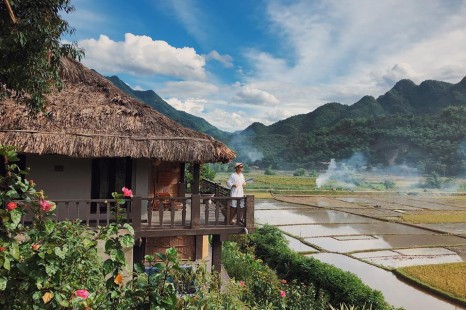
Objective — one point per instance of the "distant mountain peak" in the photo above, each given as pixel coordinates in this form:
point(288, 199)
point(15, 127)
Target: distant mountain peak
point(404, 85)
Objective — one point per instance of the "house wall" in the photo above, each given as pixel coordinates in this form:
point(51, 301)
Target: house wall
point(140, 182)
point(61, 177)
point(141, 173)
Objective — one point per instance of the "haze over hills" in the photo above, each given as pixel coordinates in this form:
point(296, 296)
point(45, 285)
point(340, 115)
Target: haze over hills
point(410, 124)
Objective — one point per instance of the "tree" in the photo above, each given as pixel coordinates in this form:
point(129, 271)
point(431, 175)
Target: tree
point(31, 50)
point(299, 172)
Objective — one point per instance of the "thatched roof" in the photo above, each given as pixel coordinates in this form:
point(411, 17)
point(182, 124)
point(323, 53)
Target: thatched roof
point(91, 117)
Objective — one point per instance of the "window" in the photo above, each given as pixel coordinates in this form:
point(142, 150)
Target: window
point(109, 175)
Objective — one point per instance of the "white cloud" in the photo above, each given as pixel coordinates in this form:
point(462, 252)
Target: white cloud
point(187, 89)
point(227, 120)
point(254, 96)
point(335, 52)
point(226, 60)
point(140, 55)
point(192, 106)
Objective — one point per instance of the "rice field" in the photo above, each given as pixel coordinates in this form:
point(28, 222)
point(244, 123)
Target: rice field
point(436, 217)
point(272, 182)
point(448, 278)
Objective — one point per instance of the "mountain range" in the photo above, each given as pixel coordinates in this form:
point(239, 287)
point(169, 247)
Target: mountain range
point(270, 145)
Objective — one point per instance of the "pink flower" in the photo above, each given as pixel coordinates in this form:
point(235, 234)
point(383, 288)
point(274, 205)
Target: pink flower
point(127, 192)
point(283, 281)
point(282, 294)
point(2, 248)
point(82, 293)
point(35, 246)
point(11, 206)
point(45, 205)
point(241, 283)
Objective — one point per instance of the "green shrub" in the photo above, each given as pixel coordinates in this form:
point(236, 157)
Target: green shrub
point(269, 171)
point(262, 289)
point(299, 172)
point(388, 184)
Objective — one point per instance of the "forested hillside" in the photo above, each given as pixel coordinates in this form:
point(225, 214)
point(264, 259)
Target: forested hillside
point(427, 142)
point(423, 126)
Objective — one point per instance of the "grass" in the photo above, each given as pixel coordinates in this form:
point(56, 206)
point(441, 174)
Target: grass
point(273, 182)
point(447, 278)
point(436, 217)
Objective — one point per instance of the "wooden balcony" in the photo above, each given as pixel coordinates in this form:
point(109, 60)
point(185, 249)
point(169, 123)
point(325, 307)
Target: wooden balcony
point(167, 216)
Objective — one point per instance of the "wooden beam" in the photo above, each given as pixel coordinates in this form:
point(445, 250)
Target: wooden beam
point(199, 246)
point(195, 211)
point(139, 250)
point(249, 212)
point(196, 178)
point(136, 212)
point(167, 232)
point(216, 253)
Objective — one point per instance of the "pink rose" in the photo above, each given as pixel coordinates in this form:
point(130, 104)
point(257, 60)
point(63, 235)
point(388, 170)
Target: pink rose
point(35, 246)
point(127, 192)
point(283, 281)
point(82, 293)
point(241, 283)
point(45, 205)
point(282, 294)
point(11, 206)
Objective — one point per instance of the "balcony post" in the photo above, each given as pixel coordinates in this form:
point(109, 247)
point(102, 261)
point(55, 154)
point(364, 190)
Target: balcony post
point(196, 178)
point(136, 212)
point(249, 211)
point(217, 253)
point(195, 210)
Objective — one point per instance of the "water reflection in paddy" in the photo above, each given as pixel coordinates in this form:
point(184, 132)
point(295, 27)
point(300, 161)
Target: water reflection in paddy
point(306, 216)
point(395, 291)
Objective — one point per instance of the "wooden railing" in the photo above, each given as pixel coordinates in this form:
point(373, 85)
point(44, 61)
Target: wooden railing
point(194, 212)
point(208, 186)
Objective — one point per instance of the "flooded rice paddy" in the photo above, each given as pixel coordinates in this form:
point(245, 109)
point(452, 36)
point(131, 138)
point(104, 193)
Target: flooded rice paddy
point(364, 235)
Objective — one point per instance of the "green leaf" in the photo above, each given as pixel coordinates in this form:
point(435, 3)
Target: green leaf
point(51, 269)
point(24, 268)
point(49, 226)
point(15, 216)
point(129, 228)
point(6, 264)
point(108, 266)
point(59, 252)
point(109, 245)
point(14, 250)
point(127, 241)
point(3, 283)
point(139, 268)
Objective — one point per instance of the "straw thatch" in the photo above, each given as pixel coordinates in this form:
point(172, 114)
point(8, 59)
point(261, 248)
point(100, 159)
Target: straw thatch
point(90, 117)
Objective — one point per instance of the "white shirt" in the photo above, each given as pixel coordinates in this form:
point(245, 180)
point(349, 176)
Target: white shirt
point(236, 191)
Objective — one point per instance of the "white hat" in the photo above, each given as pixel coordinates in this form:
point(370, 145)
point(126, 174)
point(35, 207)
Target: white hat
point(238, 164)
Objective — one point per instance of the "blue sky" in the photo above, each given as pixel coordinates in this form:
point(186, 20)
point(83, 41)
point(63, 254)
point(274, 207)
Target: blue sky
point(235, 62)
